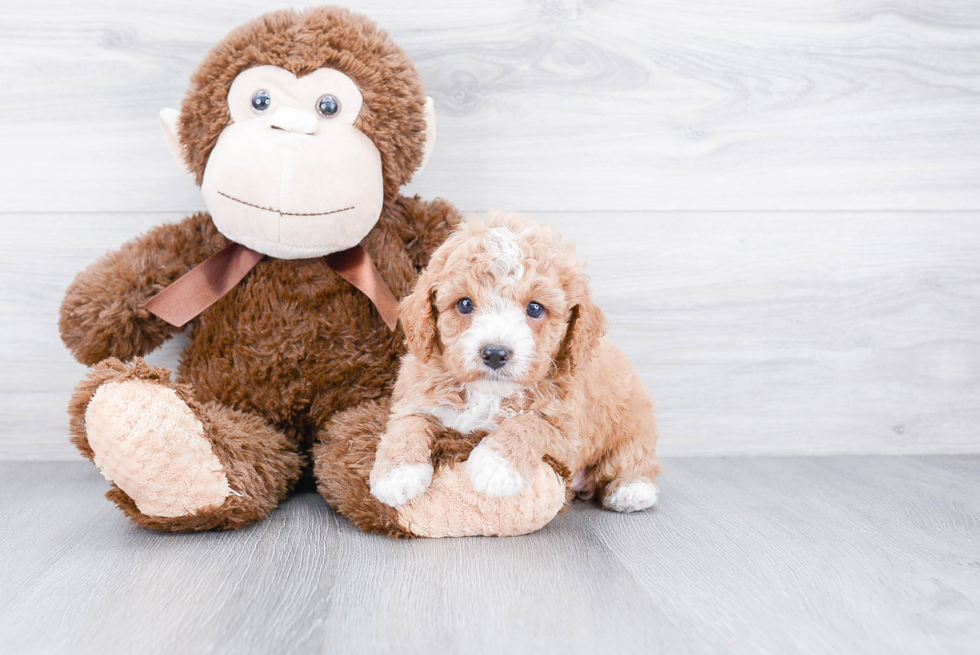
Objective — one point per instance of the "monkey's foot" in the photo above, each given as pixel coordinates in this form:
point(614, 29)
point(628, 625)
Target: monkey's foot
point(149, 442)
point(443, 503)
point(451, 507)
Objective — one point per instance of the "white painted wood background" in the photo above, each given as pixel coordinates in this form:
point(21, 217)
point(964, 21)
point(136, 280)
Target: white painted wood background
point(779, 200)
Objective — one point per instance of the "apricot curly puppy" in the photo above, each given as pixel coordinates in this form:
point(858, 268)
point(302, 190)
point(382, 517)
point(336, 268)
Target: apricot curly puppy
point(503, 338)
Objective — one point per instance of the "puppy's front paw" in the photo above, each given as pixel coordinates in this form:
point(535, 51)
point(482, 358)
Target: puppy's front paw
point(491, 474)
point(632, 497)
point(402, 484)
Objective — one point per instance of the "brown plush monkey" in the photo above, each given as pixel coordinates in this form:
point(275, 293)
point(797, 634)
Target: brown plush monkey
point(300, 128)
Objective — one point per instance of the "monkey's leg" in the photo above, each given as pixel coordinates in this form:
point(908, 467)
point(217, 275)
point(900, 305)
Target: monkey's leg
point(342, 461)
point(450, 507)
point(176, 464)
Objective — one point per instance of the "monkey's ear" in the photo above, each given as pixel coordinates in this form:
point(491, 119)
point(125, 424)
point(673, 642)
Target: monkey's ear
point(430, 132)
point(168, 121)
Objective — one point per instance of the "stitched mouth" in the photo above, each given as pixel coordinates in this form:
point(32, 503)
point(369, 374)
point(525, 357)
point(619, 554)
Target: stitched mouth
point(282, 213)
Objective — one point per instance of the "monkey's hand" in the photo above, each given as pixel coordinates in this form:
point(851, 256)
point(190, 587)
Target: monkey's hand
point(102, 314)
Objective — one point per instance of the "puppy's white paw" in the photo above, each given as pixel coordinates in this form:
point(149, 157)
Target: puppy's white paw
point(402, 484)
point(492, 475)
point(632, 497)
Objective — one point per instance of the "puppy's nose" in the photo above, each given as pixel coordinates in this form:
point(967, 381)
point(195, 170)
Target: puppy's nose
point(495, 356)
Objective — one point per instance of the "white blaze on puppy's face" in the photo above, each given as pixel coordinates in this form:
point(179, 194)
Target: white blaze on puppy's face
point(292, 177)
point(501, 322)
point(499, 272)
point(509, 258)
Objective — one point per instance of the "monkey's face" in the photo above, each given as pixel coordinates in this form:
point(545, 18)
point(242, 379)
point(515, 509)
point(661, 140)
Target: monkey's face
point(291, 176)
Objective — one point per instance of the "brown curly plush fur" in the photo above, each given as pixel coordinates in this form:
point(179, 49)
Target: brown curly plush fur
point(301, 42)
point(293, 343)
point(343, 460)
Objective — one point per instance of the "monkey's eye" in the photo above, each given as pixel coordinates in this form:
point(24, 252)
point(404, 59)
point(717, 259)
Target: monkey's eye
point(464, 305)
point(535, 310)
point(261, 101)
point(327, 106)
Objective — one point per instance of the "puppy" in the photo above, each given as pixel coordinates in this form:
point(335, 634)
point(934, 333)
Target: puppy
point(504, 339)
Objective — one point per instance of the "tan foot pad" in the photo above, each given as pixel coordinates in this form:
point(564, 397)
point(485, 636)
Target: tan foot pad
point(452, 508)
point(152, 446)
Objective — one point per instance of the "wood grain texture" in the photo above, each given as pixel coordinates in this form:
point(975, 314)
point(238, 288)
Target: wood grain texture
point(544, 105)
point(764, 333)
point(758, 332)
point(756, 555)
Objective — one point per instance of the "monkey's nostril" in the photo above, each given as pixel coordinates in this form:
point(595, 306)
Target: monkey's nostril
point(495, 356)
point(289, 119)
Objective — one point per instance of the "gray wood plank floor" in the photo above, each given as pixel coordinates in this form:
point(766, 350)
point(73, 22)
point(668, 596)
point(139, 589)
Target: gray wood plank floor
point(758, 555)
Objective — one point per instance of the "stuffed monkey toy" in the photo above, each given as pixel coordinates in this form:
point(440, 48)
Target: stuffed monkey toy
point(300, 127)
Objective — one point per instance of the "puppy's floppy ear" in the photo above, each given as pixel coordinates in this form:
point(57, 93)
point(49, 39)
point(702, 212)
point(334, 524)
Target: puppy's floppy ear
point(417, 313)
point(586, 325)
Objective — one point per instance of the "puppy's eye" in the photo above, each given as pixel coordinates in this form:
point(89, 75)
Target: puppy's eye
point(535, 310)
point(464, 305)
point(261, 101)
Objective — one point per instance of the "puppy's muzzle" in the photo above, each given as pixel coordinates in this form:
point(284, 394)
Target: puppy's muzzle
point(495, 356)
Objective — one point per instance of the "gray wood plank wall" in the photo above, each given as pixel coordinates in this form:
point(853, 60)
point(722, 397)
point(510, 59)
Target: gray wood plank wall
point(779, 201)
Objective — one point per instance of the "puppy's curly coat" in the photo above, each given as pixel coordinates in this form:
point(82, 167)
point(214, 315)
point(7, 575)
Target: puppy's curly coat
point(503, 338)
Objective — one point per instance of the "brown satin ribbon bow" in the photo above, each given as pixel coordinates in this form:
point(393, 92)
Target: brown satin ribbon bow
point(207, 282)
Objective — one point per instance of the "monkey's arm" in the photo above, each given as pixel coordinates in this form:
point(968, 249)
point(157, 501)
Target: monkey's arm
point(102, 316)
point(423, 225)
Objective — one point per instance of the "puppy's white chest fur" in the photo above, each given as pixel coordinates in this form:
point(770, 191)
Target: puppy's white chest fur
point(482, 411)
